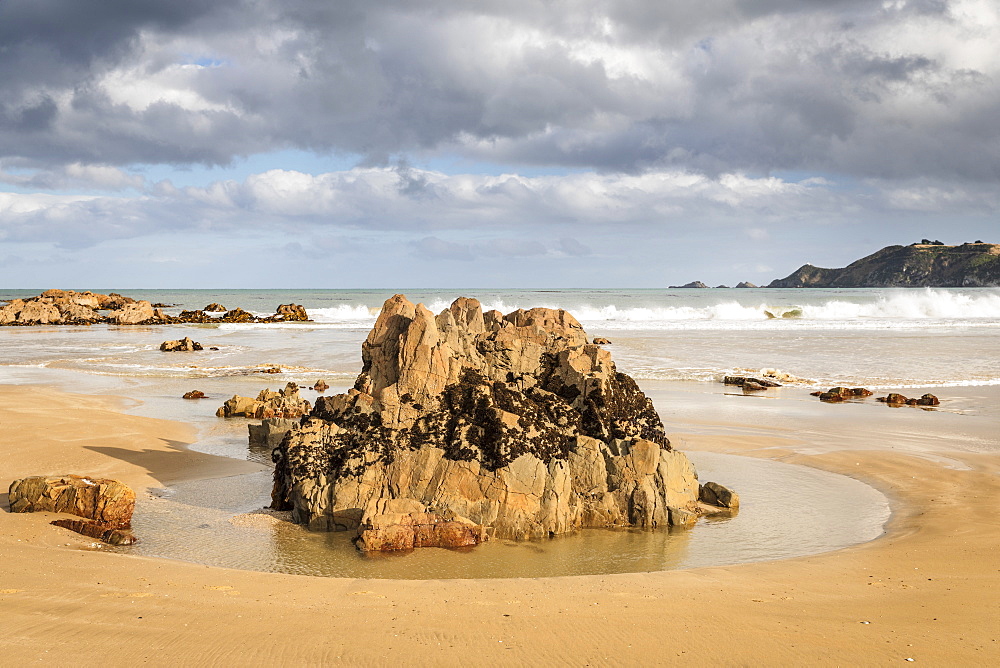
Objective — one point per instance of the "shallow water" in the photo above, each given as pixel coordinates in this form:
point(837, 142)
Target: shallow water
point(677, 344)
point(786, 511)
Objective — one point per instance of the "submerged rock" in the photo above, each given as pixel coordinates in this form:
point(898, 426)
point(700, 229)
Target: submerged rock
point(750, 383)
point(512, 422)
point(837, 394)
point(894, 399)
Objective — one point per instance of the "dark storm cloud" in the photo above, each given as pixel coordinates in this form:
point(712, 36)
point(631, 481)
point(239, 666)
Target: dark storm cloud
point(886, 90)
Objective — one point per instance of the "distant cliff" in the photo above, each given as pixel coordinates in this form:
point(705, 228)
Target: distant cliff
point(919, 265)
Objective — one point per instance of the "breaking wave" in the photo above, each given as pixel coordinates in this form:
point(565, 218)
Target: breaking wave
point(920, 308)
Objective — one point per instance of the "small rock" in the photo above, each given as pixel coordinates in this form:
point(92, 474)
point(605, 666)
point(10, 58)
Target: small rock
point(718, 495)
point(272, 369)
point(601, 341)
point(194, 394)
point(184, 345)
point(321, 386)
point(215, 308)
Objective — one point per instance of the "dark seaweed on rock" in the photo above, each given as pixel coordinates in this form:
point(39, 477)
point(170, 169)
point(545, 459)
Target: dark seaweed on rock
point(515, 421)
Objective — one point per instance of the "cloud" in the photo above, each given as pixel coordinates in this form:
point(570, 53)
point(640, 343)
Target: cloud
point(483, 215)
point(895, 90)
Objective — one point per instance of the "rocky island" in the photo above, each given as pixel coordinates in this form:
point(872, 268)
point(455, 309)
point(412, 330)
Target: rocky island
point(924, 264)
point(466, 425)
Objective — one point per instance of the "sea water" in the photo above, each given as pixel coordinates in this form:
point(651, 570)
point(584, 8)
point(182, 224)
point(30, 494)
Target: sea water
point(676, 343)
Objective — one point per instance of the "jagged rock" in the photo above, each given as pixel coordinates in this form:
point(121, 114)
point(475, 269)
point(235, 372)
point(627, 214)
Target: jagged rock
point(715, 494)
point(132, 313)
point(290, 312)
point(321, 386)
point(101, 532)
point(114, 301)
point(406, 531)
point(515, 423)
point(184, 345)
point(285, 403)
point(746, 284)
point(39, 313)
point(195, 317)
point(236, 315)
point(107, 501)
point(77, 314)
point(215, 308)
point(692, 284)
point(268, 434)
point(270, 369)
point(10, 311)
point(601, 341)
point(194, 394)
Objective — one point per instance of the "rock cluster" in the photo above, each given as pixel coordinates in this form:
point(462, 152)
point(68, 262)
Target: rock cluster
point(68, 307)
point(107, 504)
point(894, 399)
point(836, 394)
point(512, 423)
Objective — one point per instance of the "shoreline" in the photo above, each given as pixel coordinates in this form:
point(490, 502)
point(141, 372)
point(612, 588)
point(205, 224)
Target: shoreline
point(925, 587)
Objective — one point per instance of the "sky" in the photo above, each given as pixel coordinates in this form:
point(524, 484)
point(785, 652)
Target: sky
point(513, 143)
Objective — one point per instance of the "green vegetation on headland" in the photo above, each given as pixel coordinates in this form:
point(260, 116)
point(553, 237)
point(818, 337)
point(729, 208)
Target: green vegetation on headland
point(926, 264)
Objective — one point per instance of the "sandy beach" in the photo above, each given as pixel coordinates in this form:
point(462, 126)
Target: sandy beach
point(925, 591)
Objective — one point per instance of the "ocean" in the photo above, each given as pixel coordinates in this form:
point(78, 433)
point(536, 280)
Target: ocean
point(882, 339)
point(677, 343)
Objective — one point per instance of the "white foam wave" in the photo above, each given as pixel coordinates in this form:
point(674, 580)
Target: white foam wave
point(921, 308)
point(343, 313)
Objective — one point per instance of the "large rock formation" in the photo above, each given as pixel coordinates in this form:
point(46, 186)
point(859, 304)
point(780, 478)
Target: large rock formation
point(514, 423)
point(927, 264)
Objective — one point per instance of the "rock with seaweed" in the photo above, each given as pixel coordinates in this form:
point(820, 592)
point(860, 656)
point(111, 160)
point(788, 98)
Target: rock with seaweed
point(511, 425)
point(68, 307)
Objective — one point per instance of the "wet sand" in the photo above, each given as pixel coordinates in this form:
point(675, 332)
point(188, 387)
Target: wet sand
point(926, 590)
